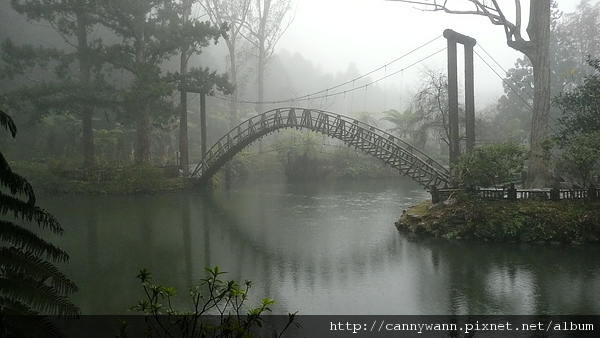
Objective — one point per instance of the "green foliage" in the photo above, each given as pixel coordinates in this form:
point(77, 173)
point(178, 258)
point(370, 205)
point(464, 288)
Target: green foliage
point(310, 156)
point(224, 299)
point(426, 119)
point(572, 221)
point(572, 37)
point(579, 138)
point(492, 165)
point(68, 80)
point(579, 161)
point(80, 78)
point(297, 155)
point(29, 283)
point(152, 32)
point(401, 122)
point(581, 106)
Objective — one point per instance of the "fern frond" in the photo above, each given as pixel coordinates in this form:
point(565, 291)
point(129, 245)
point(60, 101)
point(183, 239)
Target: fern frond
point(39, 296)
point(7, 122)
point(27, 240)
point(29, 284)
point(15, 261)
point(12, 307)
point(15, 182)
point(29, 213)
point(19, 320)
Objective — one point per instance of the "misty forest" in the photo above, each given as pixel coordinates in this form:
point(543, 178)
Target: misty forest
point(177, 140)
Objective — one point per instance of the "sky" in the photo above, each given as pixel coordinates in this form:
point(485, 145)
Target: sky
point(373, 33)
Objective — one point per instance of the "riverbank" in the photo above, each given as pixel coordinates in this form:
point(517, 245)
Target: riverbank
point(109, 180)
point(56, 177)
point(575, 222)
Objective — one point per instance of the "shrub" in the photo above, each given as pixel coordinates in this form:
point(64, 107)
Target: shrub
point(213, 296)
point(492, 165)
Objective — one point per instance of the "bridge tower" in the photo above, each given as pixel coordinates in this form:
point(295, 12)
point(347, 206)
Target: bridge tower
point(454, 38)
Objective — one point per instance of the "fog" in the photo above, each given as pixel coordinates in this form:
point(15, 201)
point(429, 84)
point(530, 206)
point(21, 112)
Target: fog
point(345, 38)
point(333, 42)
point(372, 33)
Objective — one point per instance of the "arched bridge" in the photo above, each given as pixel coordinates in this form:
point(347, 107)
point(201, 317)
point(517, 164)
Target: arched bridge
point(388, 148)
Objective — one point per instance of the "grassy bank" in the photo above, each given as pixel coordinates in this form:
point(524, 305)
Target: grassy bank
point(110, 180)
point(501, 220)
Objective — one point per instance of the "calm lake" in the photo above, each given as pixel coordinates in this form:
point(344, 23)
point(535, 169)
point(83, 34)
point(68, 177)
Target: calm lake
point(316, 248)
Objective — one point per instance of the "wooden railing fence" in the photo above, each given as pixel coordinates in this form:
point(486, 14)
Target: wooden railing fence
point(512, 193)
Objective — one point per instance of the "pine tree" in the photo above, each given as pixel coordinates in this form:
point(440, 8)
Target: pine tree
point(75, 83)
point(151, 32)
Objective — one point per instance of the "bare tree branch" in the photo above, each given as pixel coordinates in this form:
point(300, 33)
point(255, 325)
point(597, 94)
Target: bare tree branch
point(494, 13)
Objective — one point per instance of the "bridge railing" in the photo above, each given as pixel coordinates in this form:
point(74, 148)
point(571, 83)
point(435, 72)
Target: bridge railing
point(389, 148)
point(394, 139)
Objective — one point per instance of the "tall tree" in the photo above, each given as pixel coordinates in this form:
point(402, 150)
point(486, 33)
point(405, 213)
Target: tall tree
point(573, 36)
point(267, 22)
point(537, 51)
point(77, 85)
point(578, 35)
point(29, 283)
point(152, 32)
point(186, 11)
point(234, 12)
point(194, 36)
point(581, 106)
point(147, 39)
point(579, 138)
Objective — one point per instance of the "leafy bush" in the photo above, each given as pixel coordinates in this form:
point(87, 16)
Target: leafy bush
point(224, 300)
point(579, 161)
point(492, 165)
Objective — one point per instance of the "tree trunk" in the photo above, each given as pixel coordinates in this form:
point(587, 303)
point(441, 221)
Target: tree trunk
point(142, 117)
point(233, 116)
point(183, 115)
point(183, 126)
point(143, 135)
point(87, 111)
point(262, 57)
point(539, 33)
point(261, 78)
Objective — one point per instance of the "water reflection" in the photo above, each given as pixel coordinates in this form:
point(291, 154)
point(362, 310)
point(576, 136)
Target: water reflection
point(319, 249)
point(486, 278)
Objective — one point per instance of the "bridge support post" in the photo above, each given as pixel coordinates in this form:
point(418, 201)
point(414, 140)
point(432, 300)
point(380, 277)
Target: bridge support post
point(453, 120)
point(435, 195)
point(469, 98)
point(453, 106)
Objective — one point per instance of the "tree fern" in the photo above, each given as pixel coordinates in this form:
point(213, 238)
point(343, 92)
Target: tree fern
point(29, 283)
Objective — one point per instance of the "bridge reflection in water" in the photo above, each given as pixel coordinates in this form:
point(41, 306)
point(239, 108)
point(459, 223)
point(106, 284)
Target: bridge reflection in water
point(318, 248)
point(410, 161)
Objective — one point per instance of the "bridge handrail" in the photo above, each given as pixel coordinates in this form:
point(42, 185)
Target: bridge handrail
point(314, 119)
point(412, 149)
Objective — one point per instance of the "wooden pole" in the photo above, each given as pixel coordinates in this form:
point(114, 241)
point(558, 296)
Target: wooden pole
point(203, 124)
point(454, 38)
point(469, 99)
point(453, 107)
